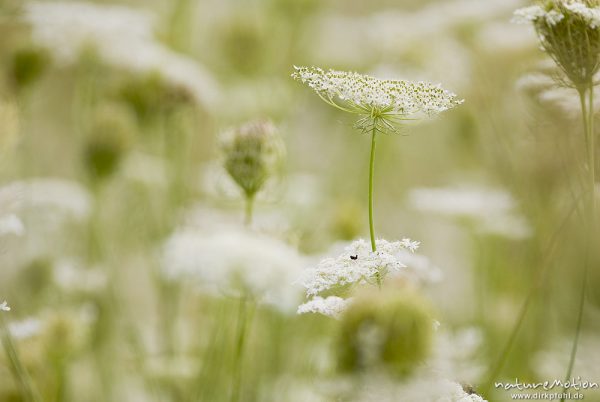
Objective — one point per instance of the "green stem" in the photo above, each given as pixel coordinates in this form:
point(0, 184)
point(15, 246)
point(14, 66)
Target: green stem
point(243, 324)
point(249, 210)
point(371, 172)
point(588, 125)
point(18, 370)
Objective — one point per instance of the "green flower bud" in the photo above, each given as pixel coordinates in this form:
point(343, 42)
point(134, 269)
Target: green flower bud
point(27, 65)
point(252, 153)
point(392, 329)
point(109, 140)
point(151, 96)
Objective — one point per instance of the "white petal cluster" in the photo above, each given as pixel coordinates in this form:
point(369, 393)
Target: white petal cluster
point(573, 8)
point(331, 306)
point(356, 265)
point(529, 14)
point(588, 14)
point(235, 262)
point(122, 36)
point(364, 94)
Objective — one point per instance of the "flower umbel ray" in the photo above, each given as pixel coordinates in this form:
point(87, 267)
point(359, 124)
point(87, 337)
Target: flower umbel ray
point(381, 104)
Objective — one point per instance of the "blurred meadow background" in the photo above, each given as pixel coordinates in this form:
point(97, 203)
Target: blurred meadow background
point(125, 257)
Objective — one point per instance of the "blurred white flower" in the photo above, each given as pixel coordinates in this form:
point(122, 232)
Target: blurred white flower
point(235, 261)
point(50, 195)
point(331, 306)
point(4, 306)
point(25, 329)
point(455, 355)
point(69, 276)
point(122, 36)
point(11, 224)
point(548, 92)
point(492, 210)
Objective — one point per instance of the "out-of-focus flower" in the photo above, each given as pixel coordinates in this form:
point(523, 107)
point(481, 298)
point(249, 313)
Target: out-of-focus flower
point(27, 65)
point(56, 195)
point(381, 103)
point(11, 224)
point(492, 210)
point(388, 329)
point(251, 154)
point(25, 329)
point(455, 355)
point(4, 306)
point(236, 262)
point(71, 277)
point(122, 36)
point(569, 31)
point(544, 88)
point(331, 306)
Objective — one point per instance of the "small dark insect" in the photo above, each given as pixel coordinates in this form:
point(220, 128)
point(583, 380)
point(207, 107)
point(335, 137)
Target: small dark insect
point(354, 257)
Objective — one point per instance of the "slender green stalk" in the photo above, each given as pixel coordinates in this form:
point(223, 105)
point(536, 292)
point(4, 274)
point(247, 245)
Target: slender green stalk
point(19, 372)
point(371, 172)
point(588, 124)
point(243, 324)
point(249, 210)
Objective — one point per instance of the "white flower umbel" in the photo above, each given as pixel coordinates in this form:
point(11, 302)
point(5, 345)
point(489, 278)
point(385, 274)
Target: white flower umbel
point(331, 306)
point(122, 36)
point(380, 103)
point(235, 262)
point(357, 265)
point(4, 306)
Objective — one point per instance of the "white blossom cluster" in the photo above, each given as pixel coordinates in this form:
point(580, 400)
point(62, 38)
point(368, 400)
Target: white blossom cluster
point(235, 262)
point(358, 265)
point(123, 38)
point(331, 306)
point(552, 16)
point(367, 95)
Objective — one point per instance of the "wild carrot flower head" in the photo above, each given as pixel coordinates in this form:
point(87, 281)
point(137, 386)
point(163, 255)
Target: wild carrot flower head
point(381, 104)
point(569, 31)
point(252, 153)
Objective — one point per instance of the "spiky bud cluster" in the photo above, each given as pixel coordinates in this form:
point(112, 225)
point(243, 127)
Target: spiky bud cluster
point(252, 153)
